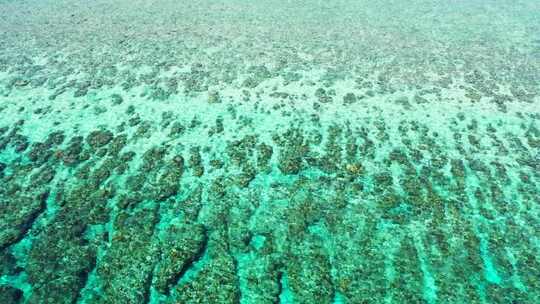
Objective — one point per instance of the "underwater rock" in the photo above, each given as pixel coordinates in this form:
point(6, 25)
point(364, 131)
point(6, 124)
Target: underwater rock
point(293, 150)
point(323, 96)
point(177, 128)
point(240, 151)
point(216, 282)
point(73, 154)
point(17, 216)
point(264, 155)
point(349, 98)
point(20, 143)
point(308, 274)
point(264, 279)
point(59, 272)
point(257, 74)
point(44, 176)
point(40, 153)
point(152, 159)
point(192, 205)
point(10, 295)
point(117, 144)
point(182, 246)
point(116, 99)
point(98, 139)
point(126, 268)
point(214, 97)
point(55, 138)
point(247, 175)
point(169, 182)
point(195, 162)
point(8, 263)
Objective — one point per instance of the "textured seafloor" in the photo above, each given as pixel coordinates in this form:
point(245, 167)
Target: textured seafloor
point(269, 151)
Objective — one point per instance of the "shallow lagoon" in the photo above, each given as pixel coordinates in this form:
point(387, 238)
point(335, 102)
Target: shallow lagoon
point(272, 152)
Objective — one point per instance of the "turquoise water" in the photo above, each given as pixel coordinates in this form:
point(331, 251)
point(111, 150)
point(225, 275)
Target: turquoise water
point(269, 151)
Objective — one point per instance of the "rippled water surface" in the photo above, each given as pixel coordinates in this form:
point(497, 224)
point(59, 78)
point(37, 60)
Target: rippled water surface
point(269, 151)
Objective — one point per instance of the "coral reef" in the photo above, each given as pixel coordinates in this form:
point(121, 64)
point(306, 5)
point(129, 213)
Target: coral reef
point(272, 152)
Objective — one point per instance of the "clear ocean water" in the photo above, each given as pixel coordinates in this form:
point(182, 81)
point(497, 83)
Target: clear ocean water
point(269, 151)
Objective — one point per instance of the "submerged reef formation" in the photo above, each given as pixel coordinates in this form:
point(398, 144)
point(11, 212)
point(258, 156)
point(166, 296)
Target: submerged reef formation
point(272, 152)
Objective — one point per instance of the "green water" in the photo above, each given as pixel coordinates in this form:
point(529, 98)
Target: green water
point(269, 151)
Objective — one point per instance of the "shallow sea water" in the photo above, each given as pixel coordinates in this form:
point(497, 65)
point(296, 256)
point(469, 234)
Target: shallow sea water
point(269, 151)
